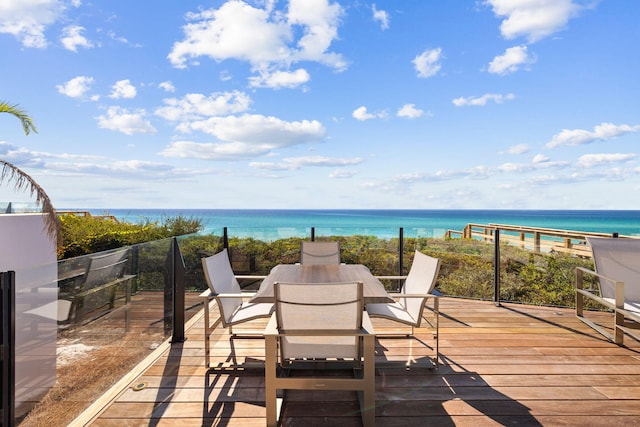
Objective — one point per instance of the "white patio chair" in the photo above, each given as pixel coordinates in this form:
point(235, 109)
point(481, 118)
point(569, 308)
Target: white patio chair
point(316, 253)
point(225, 289)
point(325, 324)
point(617, 269)
point(417, 289)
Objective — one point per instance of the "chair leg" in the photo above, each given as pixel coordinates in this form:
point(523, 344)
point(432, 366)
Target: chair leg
point(618, 332)
point(618, 316)
point(207, 349)
point(368, 403)
point(270, 380)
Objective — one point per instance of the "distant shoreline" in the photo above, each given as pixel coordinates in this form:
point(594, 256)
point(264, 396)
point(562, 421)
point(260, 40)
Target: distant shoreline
point(272, 223)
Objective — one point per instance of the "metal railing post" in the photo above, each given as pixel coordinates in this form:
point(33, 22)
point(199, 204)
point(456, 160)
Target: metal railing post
point(225, 238)
point(178, 275)
point(7, 348)
point(313, 234)
point(400, 251)
point(496, 267)
point(400, 256)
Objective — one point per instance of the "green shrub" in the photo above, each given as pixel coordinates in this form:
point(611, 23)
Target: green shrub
point(84, 234)
point(467, 266)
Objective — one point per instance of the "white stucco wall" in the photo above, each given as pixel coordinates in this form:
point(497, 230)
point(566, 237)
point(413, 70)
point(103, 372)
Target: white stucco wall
point(26, 249)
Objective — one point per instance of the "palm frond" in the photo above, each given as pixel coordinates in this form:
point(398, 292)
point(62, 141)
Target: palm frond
point(27, 123)
point(22, 181)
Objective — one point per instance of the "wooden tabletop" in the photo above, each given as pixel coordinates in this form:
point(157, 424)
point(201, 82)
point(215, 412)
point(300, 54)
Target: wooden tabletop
point(373, 290)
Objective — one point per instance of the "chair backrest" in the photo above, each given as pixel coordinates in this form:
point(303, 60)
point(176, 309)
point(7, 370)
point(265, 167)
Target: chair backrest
point(420, 280)
point(103, 269)
point(319, 307)
point(221, 280)
point(315, 253)
point(617, 259)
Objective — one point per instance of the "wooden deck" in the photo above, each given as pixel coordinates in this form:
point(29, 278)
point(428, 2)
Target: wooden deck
point(509, 365)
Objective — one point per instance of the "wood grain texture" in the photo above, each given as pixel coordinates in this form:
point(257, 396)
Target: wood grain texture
point(507, 365)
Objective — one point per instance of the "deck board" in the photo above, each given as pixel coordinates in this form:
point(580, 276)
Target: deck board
point(508, 365)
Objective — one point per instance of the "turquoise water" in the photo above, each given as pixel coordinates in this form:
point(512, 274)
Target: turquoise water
point(273, 224)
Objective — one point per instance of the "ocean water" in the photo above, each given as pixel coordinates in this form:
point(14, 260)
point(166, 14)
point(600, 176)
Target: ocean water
point(275, 224)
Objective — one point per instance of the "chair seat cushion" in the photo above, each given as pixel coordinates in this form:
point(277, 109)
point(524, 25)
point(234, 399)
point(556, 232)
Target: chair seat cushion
point(304, 347)
point(394, 311)
point(248, 311)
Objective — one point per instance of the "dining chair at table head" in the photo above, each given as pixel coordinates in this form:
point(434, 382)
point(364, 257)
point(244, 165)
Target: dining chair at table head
point(319, 307)
point(317, 253)
point(322, 325)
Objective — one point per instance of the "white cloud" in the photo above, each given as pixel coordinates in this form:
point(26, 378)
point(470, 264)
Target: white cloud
point(28, 20)
point(410, 111)
point(320, 20)
point(602, 132)
point(76, 87)
point(533, 19)
point(427, 64)
point(591, 160)
point(196, 106)
point(80, 164)
point(236, 30)
point(245, 136)
point(280, 79)
point(540, 158)
point(113, 36)
point(295, 163)
point(261, 130)
point(511, 60)
point(123, 89)
point(362, 114)
point(399, 183)
point(518, 149)
point(380, 16)
point(342, 174)
point(72, 38)
point(515, 167)
point(121, 120)
point(265, 38)
point(167, 86)
point(482, 101)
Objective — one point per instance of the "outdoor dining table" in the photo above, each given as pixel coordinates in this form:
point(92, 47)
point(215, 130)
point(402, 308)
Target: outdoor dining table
point(373, 289)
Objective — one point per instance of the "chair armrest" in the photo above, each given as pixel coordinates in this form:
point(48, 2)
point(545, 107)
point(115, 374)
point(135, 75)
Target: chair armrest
point(272, 326)
point(399, 295)
point(391, 277)
point(619, 290)
point(209, 294)
point(249, 276)
point(598, 275)
point(367, 326)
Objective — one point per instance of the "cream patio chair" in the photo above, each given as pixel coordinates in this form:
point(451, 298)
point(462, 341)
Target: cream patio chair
point(418, 287)
point(316, 253)
point(320, 325)
point(617, 269)
point(225, 289)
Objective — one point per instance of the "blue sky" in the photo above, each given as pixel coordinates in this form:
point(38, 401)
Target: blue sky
point(413, 104)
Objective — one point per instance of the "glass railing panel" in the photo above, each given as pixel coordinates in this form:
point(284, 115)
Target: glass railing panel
point(112, 309)
point(539, 278)
point(466, 266)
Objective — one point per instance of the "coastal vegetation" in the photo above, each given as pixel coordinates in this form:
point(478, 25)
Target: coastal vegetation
point(467, 265)
point(82, 235)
